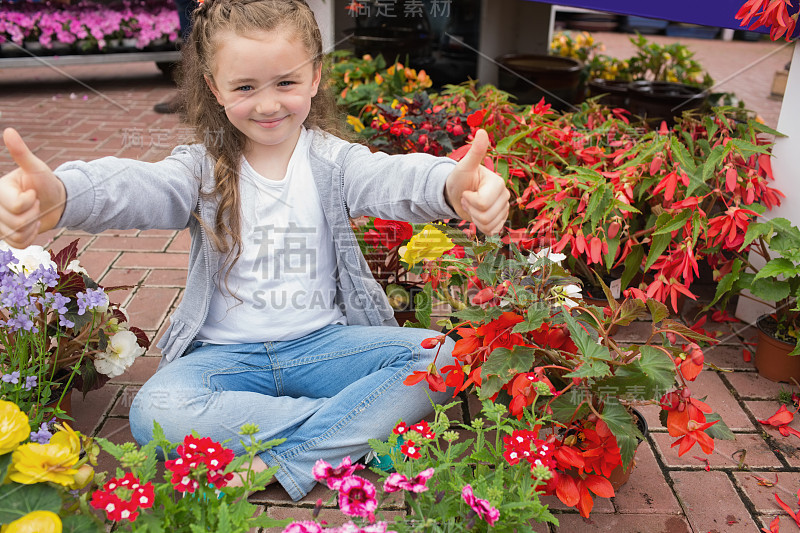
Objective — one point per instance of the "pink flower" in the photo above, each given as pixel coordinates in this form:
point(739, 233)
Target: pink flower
point(357, 497)
point(350, 527)
point(306, 526)
point(482, 507)
point(396, 482)
point(334, 476)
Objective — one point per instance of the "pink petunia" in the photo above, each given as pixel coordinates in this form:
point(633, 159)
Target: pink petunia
point(483, 508)
point(323, 471)
point(357, 497)
point(396, 482)
point(306, 526)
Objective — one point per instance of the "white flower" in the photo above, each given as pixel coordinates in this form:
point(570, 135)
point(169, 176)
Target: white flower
point(545, 252)
point(567, 294)
point(120, 353)
point(76, 267)
point(29, 258)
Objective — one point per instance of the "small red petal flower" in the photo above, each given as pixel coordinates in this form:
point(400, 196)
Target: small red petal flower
point(410, 449)
point(116, 508)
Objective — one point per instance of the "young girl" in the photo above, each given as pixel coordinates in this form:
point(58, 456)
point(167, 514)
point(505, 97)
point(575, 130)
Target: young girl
point(281, 323)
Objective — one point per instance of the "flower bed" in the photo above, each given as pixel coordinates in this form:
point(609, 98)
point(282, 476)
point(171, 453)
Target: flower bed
point(88, 26)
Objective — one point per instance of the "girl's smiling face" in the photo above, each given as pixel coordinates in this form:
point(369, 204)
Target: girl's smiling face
point(265, 81)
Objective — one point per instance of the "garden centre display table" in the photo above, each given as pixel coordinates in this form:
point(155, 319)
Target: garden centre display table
point(167, 57)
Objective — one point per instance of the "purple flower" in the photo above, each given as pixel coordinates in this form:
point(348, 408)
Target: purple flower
point(12, 377)
point(45, 275)
point(58, 302)
point(43, 435)
point(483, 508)
point(21, 322)
point(30, 382)
point(90, 299)
point(64, 323)
point(7, 258)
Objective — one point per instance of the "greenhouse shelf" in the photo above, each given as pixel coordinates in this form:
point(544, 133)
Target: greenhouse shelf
point(168, 56)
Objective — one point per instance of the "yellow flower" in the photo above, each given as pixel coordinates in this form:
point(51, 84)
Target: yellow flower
point(428, 244)
point(14, 426)
point(35, 522)
point(35, 463)
point(356, 123)
point(67, 437)
point(378, 79)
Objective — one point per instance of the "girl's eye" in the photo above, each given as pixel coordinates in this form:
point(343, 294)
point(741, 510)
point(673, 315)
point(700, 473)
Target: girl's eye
point(244, 88)
point(285, 83)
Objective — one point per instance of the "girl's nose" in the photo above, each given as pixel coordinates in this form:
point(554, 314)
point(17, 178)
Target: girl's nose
point(267, 105)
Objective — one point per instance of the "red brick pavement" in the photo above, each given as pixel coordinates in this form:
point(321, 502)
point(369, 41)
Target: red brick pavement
point(665, 493)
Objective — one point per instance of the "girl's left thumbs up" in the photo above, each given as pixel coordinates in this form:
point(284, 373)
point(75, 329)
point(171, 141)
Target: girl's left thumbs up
point(476, 193)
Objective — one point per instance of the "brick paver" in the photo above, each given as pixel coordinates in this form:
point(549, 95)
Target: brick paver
point(664, 494)
point(711, 502)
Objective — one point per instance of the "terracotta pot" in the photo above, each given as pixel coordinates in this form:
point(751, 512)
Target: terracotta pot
point(772, 359)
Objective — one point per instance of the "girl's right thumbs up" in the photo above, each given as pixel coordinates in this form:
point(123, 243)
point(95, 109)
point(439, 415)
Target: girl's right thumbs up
point(31, 197)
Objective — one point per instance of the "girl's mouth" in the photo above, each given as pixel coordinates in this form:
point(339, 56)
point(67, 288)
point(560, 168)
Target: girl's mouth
point(270, 123)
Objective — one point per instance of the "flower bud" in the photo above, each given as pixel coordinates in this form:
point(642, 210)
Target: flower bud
point(82, 477)
point(483, 296)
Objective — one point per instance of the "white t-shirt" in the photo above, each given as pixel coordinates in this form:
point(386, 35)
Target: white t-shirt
point(286, 275)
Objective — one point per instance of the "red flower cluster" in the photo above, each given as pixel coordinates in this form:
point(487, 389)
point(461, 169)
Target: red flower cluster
point(524, 445)
point(771, 13)
point(409, 447)
point(122, 498)
point(388, 233)
point(198, 457)
point(583, 468)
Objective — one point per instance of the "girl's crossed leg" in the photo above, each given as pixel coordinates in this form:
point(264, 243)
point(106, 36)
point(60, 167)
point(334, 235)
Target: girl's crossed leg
point(326, 393)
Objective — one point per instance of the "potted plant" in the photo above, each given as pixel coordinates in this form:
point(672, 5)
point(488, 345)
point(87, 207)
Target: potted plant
point(658, 82)
point(528, 343)
point(768, 266)
point(59, 331)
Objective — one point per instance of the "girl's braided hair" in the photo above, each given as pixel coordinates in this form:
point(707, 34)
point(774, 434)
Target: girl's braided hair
point(226, 144)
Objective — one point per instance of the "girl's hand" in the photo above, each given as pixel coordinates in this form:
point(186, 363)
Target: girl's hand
point(476, 193)
point(32, 198)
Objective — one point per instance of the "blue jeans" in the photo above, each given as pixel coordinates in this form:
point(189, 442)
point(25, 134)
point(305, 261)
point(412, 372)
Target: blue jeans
point(327, 394)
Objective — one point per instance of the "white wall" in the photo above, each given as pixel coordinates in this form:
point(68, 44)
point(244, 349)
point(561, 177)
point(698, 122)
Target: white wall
point(323, 11)
point(786, 169)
